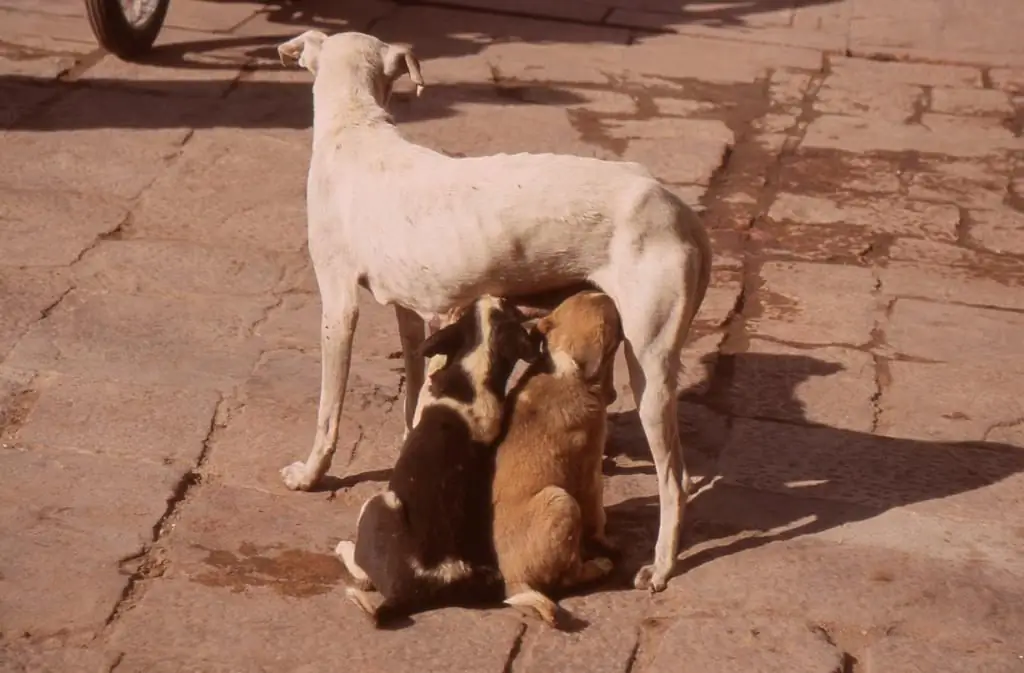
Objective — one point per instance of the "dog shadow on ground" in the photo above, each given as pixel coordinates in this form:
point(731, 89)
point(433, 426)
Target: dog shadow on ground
point(259, 100)
point(777, 480)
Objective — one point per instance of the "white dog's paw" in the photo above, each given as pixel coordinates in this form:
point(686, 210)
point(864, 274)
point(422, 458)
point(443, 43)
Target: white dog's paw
point(651, 578)
point(297, 478)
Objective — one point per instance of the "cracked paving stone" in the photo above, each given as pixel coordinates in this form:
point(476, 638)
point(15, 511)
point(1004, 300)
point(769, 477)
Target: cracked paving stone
point(858, 97)
point(145, 340)
point(826, 172)
point(986, 338)
point(999, 230)
point(788, 88)
point(907, 655)
point(883, 215)
point(745, 644)
point(527, 128)
point(94, 141)
point(875, 472)
point(918, 402)
point(675, 150)
point(604, 646)
point(26, 657)
point(173, 267)
point(970, 102)
point(885, 73)
point(80, 218)
point(853, 588)
point(206, 72)
point(24, 295)
point(296, 324)
point(919, 251)
point(17, 99)
point(814, 304)
point(60, 549)
point(827, 386)
point(938, 134)
point(276, 423)
point(205, 626)
point(150, 424)
point(235, 540)
point(951, 284)
point(711, 60)
point(969, 184)
point(265, 210)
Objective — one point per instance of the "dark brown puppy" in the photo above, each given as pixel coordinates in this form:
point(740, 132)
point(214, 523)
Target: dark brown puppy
point(548, 484)
point(426, 541)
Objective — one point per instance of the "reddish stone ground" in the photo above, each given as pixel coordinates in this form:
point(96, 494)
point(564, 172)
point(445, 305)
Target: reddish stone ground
point(853, 387)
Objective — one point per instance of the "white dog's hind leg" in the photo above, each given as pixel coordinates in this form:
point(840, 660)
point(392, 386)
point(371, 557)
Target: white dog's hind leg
point(340, 315)
point(657, 307)
point(411, 333)
point(657, 409)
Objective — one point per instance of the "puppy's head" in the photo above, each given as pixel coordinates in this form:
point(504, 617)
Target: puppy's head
point(486, 339)
point(354, 58)
point(586, 330)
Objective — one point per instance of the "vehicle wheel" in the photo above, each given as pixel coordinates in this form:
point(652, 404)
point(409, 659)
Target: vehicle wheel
point(126, 28)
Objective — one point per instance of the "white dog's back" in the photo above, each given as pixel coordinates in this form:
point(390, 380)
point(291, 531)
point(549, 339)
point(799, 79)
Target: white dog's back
point(531, 220)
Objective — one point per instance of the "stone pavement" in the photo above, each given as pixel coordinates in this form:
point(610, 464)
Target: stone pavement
point(854, 382)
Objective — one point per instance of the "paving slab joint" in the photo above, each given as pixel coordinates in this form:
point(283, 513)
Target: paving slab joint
point(149, 562)
point(515, 649)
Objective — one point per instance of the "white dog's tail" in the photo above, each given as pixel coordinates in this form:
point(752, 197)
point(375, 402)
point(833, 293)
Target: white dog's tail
point(545, 608)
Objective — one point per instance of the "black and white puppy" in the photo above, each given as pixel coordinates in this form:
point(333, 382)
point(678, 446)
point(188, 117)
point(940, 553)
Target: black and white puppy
point(426, 541)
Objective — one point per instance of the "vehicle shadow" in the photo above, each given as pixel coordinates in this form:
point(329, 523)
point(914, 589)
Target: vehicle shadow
point(238, 67)
point(779, 476)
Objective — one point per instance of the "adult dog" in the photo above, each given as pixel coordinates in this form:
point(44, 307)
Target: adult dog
point(428, 233)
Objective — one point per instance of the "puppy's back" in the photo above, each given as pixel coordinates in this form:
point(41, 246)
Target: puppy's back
point(443, 476)
point(554, 424)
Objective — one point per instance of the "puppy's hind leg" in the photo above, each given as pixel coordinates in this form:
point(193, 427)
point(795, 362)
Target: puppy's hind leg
point(543, 550)
point(338, 325)
point(411, 333)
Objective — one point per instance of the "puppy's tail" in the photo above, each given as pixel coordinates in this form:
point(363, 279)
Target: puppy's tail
point(544, 607)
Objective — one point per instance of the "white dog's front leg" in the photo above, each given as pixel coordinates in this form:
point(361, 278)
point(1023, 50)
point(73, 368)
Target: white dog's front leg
point(340, 315)
point(411, 333)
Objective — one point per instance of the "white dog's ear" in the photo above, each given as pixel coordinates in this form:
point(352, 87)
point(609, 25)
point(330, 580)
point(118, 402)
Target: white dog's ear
point(304, 50)
point(399, 59)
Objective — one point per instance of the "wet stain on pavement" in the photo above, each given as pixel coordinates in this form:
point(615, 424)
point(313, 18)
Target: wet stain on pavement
point(291, 572)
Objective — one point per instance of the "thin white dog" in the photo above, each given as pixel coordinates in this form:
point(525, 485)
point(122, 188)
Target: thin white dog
point(429, 233)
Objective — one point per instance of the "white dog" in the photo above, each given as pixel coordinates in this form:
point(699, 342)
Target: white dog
point(429, 233)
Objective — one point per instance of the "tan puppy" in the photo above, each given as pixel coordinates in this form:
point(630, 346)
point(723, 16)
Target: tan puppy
point(548, 484)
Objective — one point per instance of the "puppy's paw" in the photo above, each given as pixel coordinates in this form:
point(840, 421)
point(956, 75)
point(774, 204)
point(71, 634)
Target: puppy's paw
point(651, 578)
point(362, 601)
point(297, 478)
point(604, 546)
point(603, 565)
point(346, 551)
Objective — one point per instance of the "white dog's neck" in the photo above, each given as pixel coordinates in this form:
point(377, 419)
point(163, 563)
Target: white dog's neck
point(343, 101)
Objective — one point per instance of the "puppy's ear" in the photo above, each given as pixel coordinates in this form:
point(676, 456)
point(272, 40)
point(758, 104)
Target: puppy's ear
point(303, 50)
point(399, 60)
point(590, 360)
point(445, 341)
point(542, 326)
point(526, 345)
